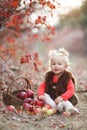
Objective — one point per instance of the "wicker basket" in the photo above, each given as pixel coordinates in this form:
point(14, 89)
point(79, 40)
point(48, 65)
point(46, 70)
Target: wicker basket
point(9, 96)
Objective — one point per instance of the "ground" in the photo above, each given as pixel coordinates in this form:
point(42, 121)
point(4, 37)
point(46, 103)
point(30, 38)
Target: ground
point(11, 121)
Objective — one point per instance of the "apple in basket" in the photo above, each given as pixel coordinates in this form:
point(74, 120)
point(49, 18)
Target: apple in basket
point(29, 100)
point(22, 95)
point(28, 107)
point(30, 93)
point(39, 103)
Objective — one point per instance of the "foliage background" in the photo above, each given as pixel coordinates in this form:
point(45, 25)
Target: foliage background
point(25, 45)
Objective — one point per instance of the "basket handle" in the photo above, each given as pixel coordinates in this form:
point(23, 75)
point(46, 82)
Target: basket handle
point(9, 89)
point(27, 80)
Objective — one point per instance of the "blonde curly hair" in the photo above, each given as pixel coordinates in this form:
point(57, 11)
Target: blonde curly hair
point(62, 53)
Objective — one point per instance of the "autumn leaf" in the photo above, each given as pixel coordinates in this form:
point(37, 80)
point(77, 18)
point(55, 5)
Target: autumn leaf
point(14, 20)
point(28, 56)
point(37, 21)
point(42, 2)
point(10, 40)
point(51, 28)
point(46, 38)
point(11, 51)
point(48, 26)
point(6, 14)
point(35, 67)
point(35, 35)
point(50, 5)
point(2, 48)
point(27, 11)
point(36, 56)
point(14, 4)
point(40, 20)
point(9, 24)
point(22, 60)
point(44, 18)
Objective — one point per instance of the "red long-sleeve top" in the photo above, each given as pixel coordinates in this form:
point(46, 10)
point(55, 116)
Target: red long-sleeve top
point(69, 92)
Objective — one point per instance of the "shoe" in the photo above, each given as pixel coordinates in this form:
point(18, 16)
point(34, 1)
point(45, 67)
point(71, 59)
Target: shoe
point(70, 112)
point(73, 110)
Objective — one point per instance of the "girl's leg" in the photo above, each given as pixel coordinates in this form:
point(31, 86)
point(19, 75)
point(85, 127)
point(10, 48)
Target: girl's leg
point(66, 106)
point(69, 107)
point(60, 107)
point(49, 100)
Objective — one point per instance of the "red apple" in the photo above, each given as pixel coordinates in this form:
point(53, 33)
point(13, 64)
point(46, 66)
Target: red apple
point(47, 106)
point(28, 107)
point(38, 110)
point(39, 103)
point(10, 107)
point(22, 95)
point(30, 93)
point(29, 100)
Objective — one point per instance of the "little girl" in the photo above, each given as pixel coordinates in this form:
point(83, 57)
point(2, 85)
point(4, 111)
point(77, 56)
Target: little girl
point(58, 89)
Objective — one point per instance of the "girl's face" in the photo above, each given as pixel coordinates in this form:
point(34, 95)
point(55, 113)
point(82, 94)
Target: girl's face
point(58, 65)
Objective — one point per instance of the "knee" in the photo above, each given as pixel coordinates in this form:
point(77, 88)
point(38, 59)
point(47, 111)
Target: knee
point(53, 105)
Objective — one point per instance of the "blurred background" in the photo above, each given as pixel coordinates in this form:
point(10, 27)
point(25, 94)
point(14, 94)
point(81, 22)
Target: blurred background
point(27, 36)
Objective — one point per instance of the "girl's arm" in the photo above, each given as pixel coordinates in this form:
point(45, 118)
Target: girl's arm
point(41, 89)
point(69, 92)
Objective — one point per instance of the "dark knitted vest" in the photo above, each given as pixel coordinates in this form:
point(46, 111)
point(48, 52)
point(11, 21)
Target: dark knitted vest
point(55, 89)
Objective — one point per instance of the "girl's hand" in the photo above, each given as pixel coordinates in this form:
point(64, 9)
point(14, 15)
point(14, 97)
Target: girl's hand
point(58, 99)
point(41, 97)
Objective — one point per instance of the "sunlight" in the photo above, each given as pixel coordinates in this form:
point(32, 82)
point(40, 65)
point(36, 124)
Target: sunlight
point(70, 3)
point(62, 7)
point(67, 5)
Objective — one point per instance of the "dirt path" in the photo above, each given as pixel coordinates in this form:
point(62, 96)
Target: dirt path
point(12, 121)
